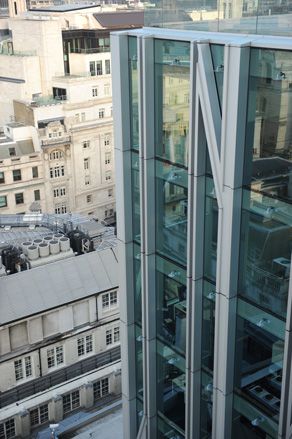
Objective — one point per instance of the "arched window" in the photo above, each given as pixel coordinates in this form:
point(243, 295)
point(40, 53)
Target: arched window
point(56, 155)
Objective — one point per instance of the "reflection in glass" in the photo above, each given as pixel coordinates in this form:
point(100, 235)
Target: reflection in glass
point(137, 283)
point(140, 412)
point(172, 83)
point(211, 230)
point(167, 430)
point(217, 53)
point(268, 167)
point(266, 242)
point(206, 405)
point(259, 361)
point(171, 211)
point(139, 362)
point(238, 16)
point(133, 86)
point(136, 197)
point(171, 385)
point(171, 304)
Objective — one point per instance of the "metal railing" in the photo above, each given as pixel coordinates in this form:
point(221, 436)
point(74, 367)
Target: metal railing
point(58, 377)
point(91, 50)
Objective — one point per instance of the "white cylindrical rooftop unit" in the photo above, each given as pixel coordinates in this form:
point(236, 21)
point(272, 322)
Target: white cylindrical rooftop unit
point(58, 235)
point(25, 246)
point(37, 241)
point(44, 249)
point(64, 244)
point(54, 247)
point(48, 238)
point(32, 252)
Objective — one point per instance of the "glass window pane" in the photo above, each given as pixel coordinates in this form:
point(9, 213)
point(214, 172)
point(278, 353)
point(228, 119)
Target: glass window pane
point(172, 88)
point(171, 211)
point(171, 304)
point(171, 385)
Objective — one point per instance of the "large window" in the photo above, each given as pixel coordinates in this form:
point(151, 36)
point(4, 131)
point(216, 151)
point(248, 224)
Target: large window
point(56, 155)
point(7, 429)
point(84, 345)
point(55, 356)
point(22, 368)
point(112, 335)
point(2, 177)
point(110, 300)
point(39, 415)
point(57, 171)
point(71, 401)
point(101, 388)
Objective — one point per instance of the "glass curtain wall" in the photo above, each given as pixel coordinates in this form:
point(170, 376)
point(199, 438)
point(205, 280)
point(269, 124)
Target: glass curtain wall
point(172, 82)
point(266, 243)
point(136, 224)
point(210, 265)
point(272, 17)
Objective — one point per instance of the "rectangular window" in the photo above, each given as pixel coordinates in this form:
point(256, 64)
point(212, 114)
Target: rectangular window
point(35, 172)
point(89, 198)
point(37, 195)
point(116, 334)
point(19, 198)
point(106, 90)
point(110, 300)
point(7, 429)
point(84, 345)
point(82, 117)
point(55, 356)
point(57, 171)
point(22, 368)
point(61, 209)
point(2, 177)
point(3, 201)
point(12, 152)
point(77, 117)
point(100, 388)
point(86, 163)
point(87, 180)
point(108, 337)
point(101, 113)
point(110, 193)
point(99, 68)
point(16, 175)
point(86, 144)
point(107, 138)
point(94, 92)
point(108, 175)
point(56, 193)
point(92, 68)
point(107, 66)
point(39, 415)
point(107, 159)
point(71, 401)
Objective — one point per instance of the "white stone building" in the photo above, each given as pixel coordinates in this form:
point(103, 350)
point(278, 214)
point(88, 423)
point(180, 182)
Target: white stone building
point(55, 78)
point(59, 341)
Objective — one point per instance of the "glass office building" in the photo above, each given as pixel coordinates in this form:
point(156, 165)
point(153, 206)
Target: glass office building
point(203, 144)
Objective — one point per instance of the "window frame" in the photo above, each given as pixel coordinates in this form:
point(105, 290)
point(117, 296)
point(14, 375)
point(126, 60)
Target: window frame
point(16, 174)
